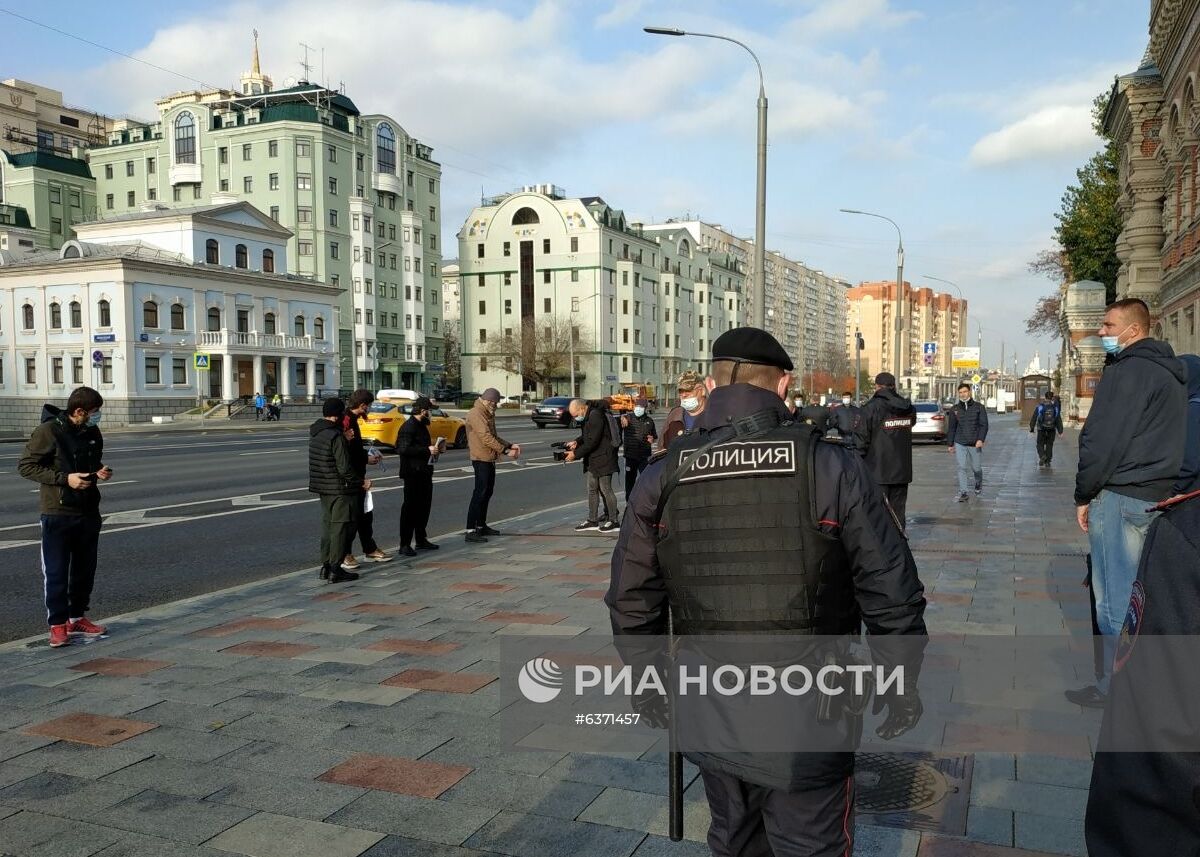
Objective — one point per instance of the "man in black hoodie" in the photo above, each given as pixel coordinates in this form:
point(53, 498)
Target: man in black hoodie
point(64, 456)
point(1130, 452)
point(331, 476)
point(884, 431)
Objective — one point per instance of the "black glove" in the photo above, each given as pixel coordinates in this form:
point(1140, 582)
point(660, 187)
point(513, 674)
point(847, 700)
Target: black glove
point(653, 708)
point(904, 711)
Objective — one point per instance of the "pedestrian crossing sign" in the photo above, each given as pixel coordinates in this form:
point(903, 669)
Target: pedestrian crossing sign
point(200, 360)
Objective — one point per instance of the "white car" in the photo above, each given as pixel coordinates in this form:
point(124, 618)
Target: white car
point(931, 422)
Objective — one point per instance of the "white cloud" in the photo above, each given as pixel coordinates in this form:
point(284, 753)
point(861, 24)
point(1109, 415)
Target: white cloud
point(846, 16)
point(1048, 132)
point(621, 12)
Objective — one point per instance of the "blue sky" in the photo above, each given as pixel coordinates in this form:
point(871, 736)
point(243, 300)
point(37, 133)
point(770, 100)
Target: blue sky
point(963, 120)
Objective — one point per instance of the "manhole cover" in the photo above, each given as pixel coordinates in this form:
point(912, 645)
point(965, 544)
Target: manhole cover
point(916, 791)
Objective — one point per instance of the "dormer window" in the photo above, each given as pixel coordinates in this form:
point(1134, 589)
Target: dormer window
point(185, 139)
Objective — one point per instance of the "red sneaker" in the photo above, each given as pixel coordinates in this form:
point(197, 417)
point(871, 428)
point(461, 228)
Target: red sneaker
point(86, 626)
point(59, 636)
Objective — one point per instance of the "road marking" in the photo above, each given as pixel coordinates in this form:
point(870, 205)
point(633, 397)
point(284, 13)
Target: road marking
point(269, 451)
point(105, 484)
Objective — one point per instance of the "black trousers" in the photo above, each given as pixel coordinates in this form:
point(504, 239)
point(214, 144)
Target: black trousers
point(897, 497)
point(414, 514)
point(755, 821)
point(365, 526)
point(633, 467)
point(69, 547)
point(485, 484)
point(338, 514)
point(1045, 445)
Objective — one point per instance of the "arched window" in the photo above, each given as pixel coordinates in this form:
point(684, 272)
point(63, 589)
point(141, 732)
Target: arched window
point(103, 314)
point(76, 312)
point(268, 262)
point(27, 317)
point(385, 149)
point(212, 252)
point(149, 314)
point(524, 216)
point(56, 316)
point(214, 319)
point(300, 325)
point(319, 328)
point(177, 317)
point(269, 322)
point(240, 259)
point(185, 139)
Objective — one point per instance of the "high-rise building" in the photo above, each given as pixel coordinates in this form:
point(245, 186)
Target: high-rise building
point(929, 317)
point(360, 195)
point(547, 279)
point(33, 118)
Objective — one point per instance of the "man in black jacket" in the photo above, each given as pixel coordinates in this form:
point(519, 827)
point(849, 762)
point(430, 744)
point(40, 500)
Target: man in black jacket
point(1046, 420)
point(639, 434)
point(356, 409)
point(332, 478)
point(64, 456)
point(417, 453)
point(595, 446)
point(965, 436)
point(844, 419)
point(884, 431)
point(1130, 452)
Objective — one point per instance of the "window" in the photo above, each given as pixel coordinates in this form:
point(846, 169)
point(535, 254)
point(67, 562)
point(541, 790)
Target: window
point(333, 186)
point(240, 257)
point(385, 150)
point(177, 317)
point(152, 365)
point(27, 317)
point(55, 193)
point(246, 147)
point(483, 364)
point(177, 193)
point(30, 370)
point(507, 306)
point(222, 155)
point(56, 316)
point(420, 319)
point(508, 278)
point(76, 314)
point(574, 275)
point(478, 251)
point(178, 370)
point(247, 184)
point(268, 261)
point(357, 253)
point(480, 276)
point(298, 323)
point(507, 248)
point(269, 323)
point(319, 328)
point(303, 181)
point(306, 248)
point(149, 315)
point(272, 148)
point(432, 214)
point(545, 245)
point(76, 370)
point(482, 307)
point(185, 139)
point(302, 150)
point(482, 335)
point(546, 276)
point(275, 213)
point(358, 162)
point(103, 314)
point(409, 178)
point(431, 186)
point(129, 168)
point(333, 217)
point(391, 231)
point(108, 171)
point(106, 370)
point(335, 250)
point(367, 255)
point(152, 193)
point(333, 154)
point(371, 318)
point(130, 200)
point(108, 201)
point(214, 319)
point(304, 215)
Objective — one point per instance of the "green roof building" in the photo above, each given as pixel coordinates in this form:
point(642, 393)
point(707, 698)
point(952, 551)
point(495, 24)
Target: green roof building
point(46, 194)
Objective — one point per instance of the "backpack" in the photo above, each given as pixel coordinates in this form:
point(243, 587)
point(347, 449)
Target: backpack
point(614, 429)
point(1049, 417)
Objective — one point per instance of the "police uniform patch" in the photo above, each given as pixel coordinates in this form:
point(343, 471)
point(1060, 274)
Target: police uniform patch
point(1132, 626)
point(743, 458)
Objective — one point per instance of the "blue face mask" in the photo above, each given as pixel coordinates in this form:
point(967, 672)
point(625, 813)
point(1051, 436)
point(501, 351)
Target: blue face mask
point(639, 412)
point(93, 418)
point(1112, 344)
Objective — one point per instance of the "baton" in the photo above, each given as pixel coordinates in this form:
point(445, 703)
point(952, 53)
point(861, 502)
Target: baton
point(674, 757)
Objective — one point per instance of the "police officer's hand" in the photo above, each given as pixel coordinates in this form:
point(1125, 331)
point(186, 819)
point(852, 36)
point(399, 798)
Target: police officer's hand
point(904, 711)
point(652, 706)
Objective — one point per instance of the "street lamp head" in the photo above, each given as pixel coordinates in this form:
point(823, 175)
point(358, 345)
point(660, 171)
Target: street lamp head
point(851, 211)
point(664, 31)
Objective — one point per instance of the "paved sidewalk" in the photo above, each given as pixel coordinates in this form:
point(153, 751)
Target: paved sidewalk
point(292, 718)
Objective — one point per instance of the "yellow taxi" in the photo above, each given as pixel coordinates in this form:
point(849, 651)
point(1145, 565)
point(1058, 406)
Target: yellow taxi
point(391, 408)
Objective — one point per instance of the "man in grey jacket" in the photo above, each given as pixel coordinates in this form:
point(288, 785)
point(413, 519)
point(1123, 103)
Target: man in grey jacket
point(966, 433)
point(1130, 453)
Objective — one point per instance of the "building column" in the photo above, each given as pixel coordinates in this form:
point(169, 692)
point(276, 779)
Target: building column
point(310, 377)
point(228, 379)
point(285, 376)
point(258, 373)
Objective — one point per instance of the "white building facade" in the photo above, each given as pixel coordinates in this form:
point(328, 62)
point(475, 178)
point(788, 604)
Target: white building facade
point(161, 310)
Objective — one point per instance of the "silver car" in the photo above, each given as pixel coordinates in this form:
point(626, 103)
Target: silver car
point(931, 422)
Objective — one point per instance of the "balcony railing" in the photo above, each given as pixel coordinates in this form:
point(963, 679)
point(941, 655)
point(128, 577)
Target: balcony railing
point(260, 341)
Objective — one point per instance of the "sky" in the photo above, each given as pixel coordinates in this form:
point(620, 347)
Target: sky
point(962, 120)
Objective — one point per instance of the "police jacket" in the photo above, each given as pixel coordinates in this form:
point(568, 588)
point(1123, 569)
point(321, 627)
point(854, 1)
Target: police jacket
point(1136, 430)
point(594, 444)
point(967, 423)
point(1148, 803)
point(804, 542)
point(56, 449)
point(885, 432)
point(412, 446)
point(330, 467)
point(637, 448)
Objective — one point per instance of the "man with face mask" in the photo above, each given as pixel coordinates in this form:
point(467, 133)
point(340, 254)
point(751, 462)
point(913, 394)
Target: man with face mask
point(692, 398)
point(966, 432)
point(1130, 452)
point(639, 435)
point(844, 418)
point(64, 456)
point(417, 453)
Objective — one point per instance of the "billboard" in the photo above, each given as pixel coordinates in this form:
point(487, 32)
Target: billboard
point(964, 357)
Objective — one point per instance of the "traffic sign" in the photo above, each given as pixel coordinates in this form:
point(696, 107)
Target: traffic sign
point(97, 358)
point(200, 360)
point(929, 348)
point(928, 359)
point(976, 378)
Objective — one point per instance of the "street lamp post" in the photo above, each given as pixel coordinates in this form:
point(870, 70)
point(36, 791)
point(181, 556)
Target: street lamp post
point(575, 302)
point(896, 350)
point(760, 197)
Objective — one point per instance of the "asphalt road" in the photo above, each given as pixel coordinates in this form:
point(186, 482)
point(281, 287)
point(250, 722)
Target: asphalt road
point(189, 513)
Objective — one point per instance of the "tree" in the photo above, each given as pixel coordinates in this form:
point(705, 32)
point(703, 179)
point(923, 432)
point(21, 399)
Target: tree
point(1045, 318)
point(539, 350)
point(452, 350)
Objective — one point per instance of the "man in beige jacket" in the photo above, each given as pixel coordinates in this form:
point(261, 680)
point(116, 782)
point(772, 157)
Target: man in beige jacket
point(485, 448)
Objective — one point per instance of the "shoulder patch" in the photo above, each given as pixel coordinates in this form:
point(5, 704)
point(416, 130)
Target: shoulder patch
point(1132, 626)
point(743, 458)
point(898, 423)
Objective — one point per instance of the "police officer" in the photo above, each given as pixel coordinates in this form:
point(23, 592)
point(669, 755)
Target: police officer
point(885, 432)
point(809, 565)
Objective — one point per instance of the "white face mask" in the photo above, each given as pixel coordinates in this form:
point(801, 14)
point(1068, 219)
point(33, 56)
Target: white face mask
point(846, 401)
point(690, 403)
point(639, 411)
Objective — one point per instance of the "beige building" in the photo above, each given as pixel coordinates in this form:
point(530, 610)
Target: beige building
point(929, 317)
point(34, 118)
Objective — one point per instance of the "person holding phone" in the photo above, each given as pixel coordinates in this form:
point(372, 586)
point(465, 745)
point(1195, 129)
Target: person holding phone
point(418, 453)
point(64, 456)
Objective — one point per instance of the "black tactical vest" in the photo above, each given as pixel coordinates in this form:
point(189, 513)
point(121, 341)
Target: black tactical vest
point(739, 544)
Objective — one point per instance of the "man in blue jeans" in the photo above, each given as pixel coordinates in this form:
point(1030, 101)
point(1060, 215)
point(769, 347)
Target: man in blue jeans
point(966, 433)
point(1130, 453)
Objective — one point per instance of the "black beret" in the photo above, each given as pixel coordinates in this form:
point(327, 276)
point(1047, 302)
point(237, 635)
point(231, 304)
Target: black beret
point(751, 345)
point(333, 408)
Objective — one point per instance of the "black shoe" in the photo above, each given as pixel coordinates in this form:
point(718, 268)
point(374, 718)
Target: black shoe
point(324, 572)
point(426, 546)
point(488, 531)
point(584, 526)
point(339, 576)
point(609, 527)
point(475, 536)
point(407, 551)
point(1088, 697)
point(962, 498)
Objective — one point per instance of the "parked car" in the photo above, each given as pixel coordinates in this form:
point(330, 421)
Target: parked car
point(931, 422)
point(384, 418)
point(552, 411)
